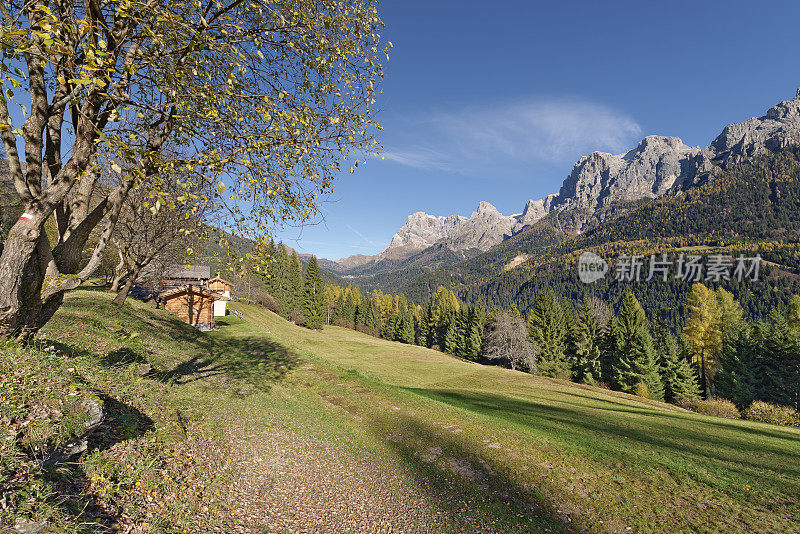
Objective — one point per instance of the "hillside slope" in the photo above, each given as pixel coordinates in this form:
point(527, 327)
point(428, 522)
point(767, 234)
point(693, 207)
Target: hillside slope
point(753, 207)
point(265, 426)
point(581, 455)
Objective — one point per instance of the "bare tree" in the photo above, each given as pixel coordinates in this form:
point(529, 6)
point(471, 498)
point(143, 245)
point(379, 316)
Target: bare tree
point(158, 223)
point(141, 237)
point(507, 340)
point(601, 312)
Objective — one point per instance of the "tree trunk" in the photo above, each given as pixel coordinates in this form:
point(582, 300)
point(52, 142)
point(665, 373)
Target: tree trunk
point(22, 275)
point(703, 373)
point(119, 300)
point(119, 273)
point(117, 280)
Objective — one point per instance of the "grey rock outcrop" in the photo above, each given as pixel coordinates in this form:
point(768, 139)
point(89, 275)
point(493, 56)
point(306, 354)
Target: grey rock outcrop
point(777, 129)
point(483, 229)
point(534, 210)
point(24, 526)
point(600, 184)
point(93, 418)
point(647, 171)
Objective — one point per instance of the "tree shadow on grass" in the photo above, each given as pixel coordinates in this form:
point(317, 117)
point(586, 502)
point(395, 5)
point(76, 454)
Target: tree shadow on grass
point(727, 451)
point(689, 417)
point(471, 494)
point(71, 493)
point(253, 361)
point(122, 422)
point(256, 361)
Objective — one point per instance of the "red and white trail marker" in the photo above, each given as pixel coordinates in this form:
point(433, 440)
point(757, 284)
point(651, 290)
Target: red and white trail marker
point(26, 217)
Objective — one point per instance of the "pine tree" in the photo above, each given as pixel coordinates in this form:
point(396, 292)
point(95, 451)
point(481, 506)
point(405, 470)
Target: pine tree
point(793, 313)
point(462, 332)
point(547, 325)
point(445, 306)
point(280, 287)
point(294, 286)
point(348, 310)
point(423, 328)
point(474, 337)
point(405, 331)
point(583, 347)
point(451, 335)
point(371, 317)
point(634, 358)
point(313, 303)
point(389, 330)
point(778, 362)
point(736, 377)
point(676, 373)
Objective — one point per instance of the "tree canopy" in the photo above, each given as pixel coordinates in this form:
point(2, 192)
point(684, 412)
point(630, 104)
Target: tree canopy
point(266, 98)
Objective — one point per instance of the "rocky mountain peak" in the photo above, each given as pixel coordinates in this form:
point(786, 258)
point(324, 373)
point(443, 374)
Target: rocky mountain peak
point(486, 211)
point(601, 182)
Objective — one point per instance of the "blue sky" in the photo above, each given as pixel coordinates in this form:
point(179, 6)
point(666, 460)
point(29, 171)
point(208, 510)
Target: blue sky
point(496, 102)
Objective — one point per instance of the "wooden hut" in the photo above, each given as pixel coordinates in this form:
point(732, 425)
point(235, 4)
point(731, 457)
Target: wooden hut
point(192, 304)
point(223, 287)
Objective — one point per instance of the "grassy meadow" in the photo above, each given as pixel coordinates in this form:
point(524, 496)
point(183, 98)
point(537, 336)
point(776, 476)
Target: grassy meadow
point(594, 459)
point(264, 426)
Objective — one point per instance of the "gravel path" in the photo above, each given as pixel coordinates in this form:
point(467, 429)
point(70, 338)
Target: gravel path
point(288, 482)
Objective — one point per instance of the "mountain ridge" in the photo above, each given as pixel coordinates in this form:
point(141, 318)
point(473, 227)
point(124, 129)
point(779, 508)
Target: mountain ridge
point(598, 187)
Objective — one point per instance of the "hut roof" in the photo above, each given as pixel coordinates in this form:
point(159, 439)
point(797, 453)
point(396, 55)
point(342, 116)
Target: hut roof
point(195, 290)
point(218, 279)
point(189, 271)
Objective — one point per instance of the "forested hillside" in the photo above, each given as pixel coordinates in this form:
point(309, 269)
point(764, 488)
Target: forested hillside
point(752, 208)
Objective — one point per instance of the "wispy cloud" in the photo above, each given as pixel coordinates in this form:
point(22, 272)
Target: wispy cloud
point(362, 236)
point(418, 157)
point(547, 130)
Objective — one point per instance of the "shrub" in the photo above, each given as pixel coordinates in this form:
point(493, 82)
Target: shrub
point(687, 403)
point(718, 408)
point(298, 318)
point(642, 391)
point(344, 323)
point(368, 330)
point(775, 414)
point(266, 300)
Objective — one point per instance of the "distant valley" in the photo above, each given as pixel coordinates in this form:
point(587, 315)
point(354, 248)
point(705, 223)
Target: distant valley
point(599, 188)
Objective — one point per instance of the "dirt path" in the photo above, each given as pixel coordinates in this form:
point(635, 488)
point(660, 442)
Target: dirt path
point(289, 482)
point(279, 477)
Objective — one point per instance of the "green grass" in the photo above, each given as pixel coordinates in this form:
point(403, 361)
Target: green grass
point(603, 459)
point(498, 450)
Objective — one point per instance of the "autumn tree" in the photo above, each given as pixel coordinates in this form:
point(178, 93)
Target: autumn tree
point(332, 296)
point(507, 340)
point(711, 318)
point(267, 97)
point(700, 330)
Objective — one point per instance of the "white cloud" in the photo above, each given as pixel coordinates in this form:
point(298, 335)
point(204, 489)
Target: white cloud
point(418, 157)
point(546, 130)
